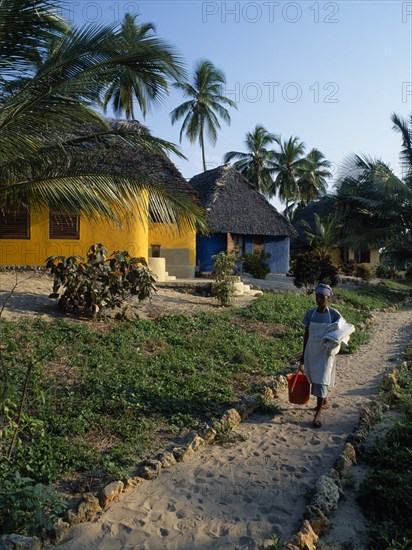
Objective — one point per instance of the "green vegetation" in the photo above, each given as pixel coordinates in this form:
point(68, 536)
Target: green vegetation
point(101, 396)
point(223, 275)
point(204, 105)
point(373, 205)
point(403, 285)
point(308, 269)
point(256, 164)
point(386, 272)
point(53, 76)
point(100, 283)
point(256, 264)
point(386, 493)
point(371, 296)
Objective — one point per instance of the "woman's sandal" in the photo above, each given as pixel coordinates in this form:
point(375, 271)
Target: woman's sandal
point(317, 422)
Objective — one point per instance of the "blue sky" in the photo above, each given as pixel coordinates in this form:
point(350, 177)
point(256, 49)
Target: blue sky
point(331, 73)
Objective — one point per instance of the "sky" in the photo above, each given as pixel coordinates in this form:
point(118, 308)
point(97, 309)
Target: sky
point(330, 73)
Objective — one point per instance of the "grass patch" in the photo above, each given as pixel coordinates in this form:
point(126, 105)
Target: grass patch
point(402, 285)
point(369, 297)
point(386, 493)
point(112, 393)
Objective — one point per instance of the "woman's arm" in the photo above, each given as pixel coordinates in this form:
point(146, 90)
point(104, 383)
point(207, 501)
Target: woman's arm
point(305, 341)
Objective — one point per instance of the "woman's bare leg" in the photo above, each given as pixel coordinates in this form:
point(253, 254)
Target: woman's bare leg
point(317, 422)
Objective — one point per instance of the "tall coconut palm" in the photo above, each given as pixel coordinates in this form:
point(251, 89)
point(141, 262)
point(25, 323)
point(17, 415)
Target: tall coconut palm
point(147, 86)
point(405, 129)
point(205, 105)
point(313, 175)
point(373, 204)
point(47, 112)
point(288, 162)
point(256, 165)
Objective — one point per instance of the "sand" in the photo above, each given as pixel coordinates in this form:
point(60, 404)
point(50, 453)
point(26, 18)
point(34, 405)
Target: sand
point(238, 495)
point(30, 299)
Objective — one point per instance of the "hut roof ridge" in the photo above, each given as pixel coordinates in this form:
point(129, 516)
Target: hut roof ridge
point(234, 205)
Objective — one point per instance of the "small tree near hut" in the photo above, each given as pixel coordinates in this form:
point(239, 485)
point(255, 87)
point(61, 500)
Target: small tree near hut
point(315, 265)
point(224, 277)
point(308, 270)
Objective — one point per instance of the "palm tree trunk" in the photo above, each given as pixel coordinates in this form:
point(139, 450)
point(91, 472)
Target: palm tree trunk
point(202, 145)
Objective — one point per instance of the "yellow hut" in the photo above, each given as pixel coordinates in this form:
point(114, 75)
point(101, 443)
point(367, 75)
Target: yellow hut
point(27, 237)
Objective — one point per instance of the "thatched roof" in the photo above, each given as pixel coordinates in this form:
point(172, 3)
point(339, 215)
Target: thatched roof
point(126, 160)
point(234, 206)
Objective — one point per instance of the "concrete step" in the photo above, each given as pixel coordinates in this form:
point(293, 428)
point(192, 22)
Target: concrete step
point(182, 271)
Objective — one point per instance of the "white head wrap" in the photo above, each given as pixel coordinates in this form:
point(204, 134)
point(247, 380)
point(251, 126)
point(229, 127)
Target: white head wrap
point(324, 289)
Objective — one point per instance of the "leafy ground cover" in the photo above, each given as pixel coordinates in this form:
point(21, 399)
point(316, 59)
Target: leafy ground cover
point(101, 396)
point(403, 285)
point(369, 297)
point(386, 493)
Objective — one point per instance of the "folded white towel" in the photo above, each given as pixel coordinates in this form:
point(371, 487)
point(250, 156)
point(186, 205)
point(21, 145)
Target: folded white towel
point(337, 333)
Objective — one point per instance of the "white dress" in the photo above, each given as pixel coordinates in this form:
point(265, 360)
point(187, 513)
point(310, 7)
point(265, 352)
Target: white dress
point(319, 363)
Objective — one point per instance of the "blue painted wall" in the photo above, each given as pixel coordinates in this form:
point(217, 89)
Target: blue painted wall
point(206, 247)
point(278, 248)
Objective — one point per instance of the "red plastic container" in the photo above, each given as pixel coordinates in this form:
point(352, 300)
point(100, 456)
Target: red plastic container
point(299, 389)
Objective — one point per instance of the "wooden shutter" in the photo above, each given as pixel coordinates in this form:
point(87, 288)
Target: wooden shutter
point(15, 224)
point(63, 226)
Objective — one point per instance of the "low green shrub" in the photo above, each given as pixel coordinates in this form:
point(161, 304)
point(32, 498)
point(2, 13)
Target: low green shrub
point(347, 268)
point(96, 284)
point(386, 272)
point(256, 264)
point(308, 270)
point(27, 507)
point(363, 272)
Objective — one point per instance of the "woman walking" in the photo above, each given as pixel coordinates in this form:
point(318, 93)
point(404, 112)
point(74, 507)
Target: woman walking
point(317, 357)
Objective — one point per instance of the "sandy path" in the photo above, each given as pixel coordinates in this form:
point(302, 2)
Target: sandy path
point(239, 495)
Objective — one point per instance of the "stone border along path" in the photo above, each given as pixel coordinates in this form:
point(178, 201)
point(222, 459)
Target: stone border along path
point(238, 495)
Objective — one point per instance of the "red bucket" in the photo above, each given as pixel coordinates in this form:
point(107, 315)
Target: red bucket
point(299, 389)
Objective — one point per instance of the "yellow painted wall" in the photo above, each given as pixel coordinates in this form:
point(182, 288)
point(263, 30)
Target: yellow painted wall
point(35, 250)
point(335, 256)
point(169, 237)
point(336, 259)
point(374, 257)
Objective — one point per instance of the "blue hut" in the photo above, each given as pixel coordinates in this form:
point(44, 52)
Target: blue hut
point(239, 216)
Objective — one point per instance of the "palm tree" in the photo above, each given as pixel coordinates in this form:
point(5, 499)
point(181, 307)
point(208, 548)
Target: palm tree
point(373, 204)
point(288, 162)
point(150, 84)
point(256, 165)
point(312, 180)
point(52, 76)
point(405, 129)
point(205, 105)
point(321, 238)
